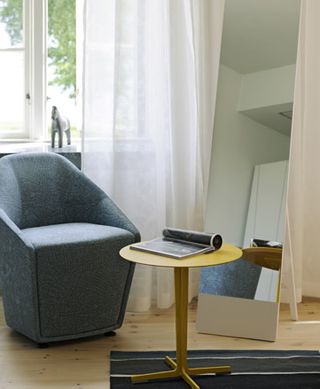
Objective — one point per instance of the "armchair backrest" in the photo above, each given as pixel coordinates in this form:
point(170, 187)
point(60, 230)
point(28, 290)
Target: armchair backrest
point(38, 189)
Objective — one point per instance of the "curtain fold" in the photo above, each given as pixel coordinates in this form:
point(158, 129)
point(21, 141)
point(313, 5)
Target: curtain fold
point(303, 216)
point(149, 90)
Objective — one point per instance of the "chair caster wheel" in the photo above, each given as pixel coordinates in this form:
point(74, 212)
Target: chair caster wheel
point(110, 333)
point(43, 345)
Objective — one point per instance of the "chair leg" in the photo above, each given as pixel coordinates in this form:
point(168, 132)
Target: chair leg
point(110, 333)
point(43, 345)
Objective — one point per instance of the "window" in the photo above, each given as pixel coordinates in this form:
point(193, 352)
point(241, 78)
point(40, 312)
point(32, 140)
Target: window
point(61, 61)
point(37, 66)
point(12, 70)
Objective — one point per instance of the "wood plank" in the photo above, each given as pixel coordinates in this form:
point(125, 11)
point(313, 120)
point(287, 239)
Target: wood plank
point(84, 364)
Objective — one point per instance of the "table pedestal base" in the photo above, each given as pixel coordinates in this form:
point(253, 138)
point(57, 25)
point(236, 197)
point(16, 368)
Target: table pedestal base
point(180, 368)
point(184, 373)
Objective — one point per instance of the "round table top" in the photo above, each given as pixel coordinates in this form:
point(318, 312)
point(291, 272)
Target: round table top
point(227, 253)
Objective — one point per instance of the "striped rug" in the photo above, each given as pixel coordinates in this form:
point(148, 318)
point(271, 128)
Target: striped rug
point(251, 369)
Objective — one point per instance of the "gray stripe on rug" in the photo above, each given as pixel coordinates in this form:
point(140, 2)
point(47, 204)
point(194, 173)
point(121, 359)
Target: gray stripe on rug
point(250, 369)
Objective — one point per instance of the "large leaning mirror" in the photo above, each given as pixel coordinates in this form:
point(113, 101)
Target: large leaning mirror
point(250, 150)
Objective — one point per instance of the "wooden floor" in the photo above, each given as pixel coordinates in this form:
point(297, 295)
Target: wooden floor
point(85, 364)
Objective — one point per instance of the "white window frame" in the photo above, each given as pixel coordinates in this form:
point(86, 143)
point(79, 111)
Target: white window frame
point(36, 68)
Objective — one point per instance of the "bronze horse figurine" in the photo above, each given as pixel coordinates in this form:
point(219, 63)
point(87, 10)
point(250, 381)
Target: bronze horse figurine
point(60, 124)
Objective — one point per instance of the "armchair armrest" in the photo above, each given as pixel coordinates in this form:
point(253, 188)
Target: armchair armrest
point(17, 271)
point(85, 201)
point(108, 213)
point(14, 248)
point(9, 231)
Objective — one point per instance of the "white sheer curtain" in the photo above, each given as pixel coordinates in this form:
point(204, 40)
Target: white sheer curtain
point(304, 176)
point(149, 88)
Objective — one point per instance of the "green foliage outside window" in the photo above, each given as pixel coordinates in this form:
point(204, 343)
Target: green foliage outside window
point(61, 37)
point(11, 16)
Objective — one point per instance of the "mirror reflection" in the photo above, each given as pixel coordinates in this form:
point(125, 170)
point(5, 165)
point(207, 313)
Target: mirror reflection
point(254, 105)
point(251, 143)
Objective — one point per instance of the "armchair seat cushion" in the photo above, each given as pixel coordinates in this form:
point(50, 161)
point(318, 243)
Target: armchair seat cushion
point(74, 265)
point(68, 234)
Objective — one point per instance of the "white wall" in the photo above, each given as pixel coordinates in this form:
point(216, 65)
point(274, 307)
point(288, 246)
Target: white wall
point(239, 144)
point(267, 88)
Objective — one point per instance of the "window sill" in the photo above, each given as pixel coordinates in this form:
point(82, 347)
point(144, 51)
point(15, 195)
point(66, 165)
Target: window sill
point(72, 152)
point(9, 147)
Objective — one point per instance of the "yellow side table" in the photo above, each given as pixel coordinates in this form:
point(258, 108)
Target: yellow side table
point(225, 254)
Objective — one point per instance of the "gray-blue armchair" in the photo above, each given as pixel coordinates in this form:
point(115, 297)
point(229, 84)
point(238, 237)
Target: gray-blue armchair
point(60, 271)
